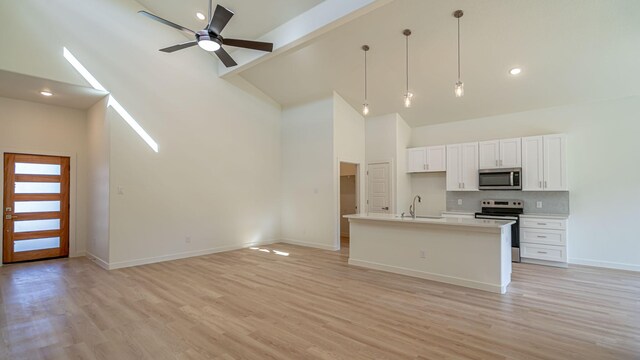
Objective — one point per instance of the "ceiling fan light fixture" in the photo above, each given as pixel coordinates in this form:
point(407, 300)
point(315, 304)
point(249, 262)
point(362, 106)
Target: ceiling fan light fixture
point(200, 16)
point(208, 44)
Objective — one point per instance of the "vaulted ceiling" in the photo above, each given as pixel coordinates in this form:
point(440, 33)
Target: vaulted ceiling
point(571, 51)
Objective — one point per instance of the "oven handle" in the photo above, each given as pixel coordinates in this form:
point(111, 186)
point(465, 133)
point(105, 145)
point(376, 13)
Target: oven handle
point(511, 178)
point(496, 217)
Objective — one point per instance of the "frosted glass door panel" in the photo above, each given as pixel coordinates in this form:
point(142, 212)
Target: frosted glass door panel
point(37, 188)
point(37, 169)
point(36, 225)
point(36, 206)
point(36, 244)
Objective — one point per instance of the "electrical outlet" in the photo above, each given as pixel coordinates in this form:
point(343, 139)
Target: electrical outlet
point(539, 204)
point(459, 201)
point(423, 254)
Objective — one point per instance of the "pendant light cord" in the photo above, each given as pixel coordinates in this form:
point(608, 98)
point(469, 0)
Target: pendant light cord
point(407, 61)
point(458, 49)
point(365, 76)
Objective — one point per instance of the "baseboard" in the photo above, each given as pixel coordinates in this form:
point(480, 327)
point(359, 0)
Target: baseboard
point(308, 244)
point(183, 255)
point(431, 276)
point(604, 264)
point(79, 254)
point(103, 264)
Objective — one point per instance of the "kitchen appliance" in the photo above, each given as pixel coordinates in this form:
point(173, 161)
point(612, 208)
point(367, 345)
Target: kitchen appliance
point(509, 210)
point(500, 179)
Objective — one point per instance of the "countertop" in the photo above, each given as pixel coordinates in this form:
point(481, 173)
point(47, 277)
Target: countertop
point(546, 216)
point(481, 223)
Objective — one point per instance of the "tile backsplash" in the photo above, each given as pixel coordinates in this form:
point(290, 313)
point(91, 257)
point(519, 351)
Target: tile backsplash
point(553, 202)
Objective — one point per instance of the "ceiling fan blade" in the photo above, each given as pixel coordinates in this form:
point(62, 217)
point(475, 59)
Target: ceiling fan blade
point(226, 59)
point(247, 44)
point(220, 19)
point(173, 48)
point(167, 22)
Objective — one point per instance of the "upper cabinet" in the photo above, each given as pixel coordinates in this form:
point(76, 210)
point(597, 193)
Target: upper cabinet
point(462, 167)
point(427, 159)
point(544, 165)
point(506, 153)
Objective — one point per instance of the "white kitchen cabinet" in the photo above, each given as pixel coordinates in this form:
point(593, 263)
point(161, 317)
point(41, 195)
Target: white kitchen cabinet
point(426, 159)
point(543, 240)
point(495, 154)
point(544, 165)
point(417, 160)
point(462, 167)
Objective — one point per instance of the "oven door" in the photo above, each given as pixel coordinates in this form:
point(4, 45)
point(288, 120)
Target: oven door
point(500, 179)
point(515, 233)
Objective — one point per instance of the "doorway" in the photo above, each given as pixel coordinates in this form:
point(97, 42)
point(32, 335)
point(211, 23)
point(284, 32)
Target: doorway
point(348, 199)
point(36, 207)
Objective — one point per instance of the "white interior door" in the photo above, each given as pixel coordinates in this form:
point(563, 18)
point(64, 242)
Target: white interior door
point(379, 194)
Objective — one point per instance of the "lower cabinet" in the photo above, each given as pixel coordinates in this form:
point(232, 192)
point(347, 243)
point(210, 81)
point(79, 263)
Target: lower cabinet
point(543, 240)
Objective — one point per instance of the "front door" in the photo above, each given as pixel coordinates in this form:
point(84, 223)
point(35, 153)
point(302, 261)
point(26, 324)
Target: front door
point(379, 175)
point(36, 207)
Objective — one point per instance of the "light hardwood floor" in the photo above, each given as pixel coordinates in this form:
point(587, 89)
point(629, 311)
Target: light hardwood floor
point(250, 304)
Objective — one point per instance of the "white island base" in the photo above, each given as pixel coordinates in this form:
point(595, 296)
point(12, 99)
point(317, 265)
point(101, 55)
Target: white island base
point(467, 252)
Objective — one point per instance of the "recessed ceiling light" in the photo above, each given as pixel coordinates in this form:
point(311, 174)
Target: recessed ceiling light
point(46, 93)
point(515, 71)
point(200, 16)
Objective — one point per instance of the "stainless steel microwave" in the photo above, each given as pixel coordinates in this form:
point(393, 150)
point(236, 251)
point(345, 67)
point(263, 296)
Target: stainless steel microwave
point(500, 179)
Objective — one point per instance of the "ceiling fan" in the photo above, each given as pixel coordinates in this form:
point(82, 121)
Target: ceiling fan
point(209, 38)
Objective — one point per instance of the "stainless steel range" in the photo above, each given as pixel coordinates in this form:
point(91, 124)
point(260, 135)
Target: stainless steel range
point(505, 210)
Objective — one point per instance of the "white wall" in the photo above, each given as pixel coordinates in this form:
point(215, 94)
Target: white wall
point(215, 183)
point(99, 142)
point(34, 128)
point(602, 165)
point(308, 189)
point(404, 193)
point(349, 146)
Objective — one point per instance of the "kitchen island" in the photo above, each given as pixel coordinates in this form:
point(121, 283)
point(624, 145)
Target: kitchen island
point(467, 252)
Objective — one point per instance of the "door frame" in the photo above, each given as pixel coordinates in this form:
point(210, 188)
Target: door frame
point(74, 248)
point(392, 184)
point(359, 197)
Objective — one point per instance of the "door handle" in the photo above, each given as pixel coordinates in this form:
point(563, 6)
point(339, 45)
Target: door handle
point(385, 208)
point(10, 217)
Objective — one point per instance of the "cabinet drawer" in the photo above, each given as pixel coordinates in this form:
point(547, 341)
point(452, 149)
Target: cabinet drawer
point(549, 237)
point(540, 223)
point(543, 252)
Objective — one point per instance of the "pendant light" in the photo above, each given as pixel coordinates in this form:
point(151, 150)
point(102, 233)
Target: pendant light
point(407, 95)
point(459, 88)
point(365, 105)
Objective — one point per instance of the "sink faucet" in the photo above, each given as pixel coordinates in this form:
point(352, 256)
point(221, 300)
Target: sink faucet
point(412, 208)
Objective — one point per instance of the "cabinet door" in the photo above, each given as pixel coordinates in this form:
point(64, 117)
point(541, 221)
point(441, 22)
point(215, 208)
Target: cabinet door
point(489, 154)
point(469, 169)
point(416, 160)
point(532, 163)
point(555, 167)
point(437, 158)
point(454, 157)
point(511, 153)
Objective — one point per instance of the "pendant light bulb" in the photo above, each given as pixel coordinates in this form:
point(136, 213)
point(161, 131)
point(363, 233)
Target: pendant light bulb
point(407, 99)
point(365, 109)
point(459, 89)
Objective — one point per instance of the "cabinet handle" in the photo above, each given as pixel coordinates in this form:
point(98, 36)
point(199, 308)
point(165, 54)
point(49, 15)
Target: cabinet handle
point(496, 162)
point(463, 185)
point(542, 236)
point(540, 184)
point(500, 162)
point(427, 167)
point(542, 252)
point(543, 224)
point(545, 184)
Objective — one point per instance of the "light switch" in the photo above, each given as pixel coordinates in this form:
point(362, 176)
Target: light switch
point(459, 201)
point(539, 204)
point(120, 190)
